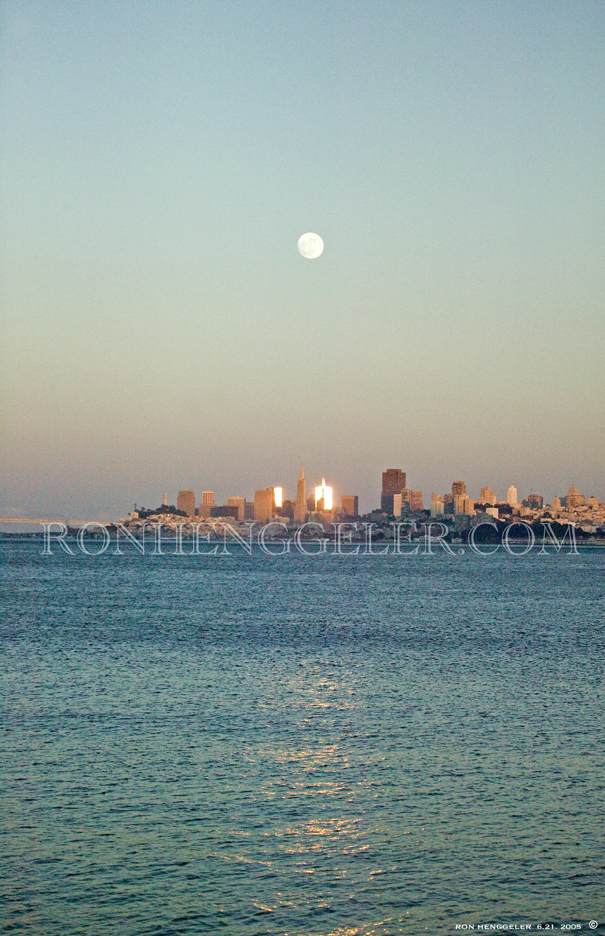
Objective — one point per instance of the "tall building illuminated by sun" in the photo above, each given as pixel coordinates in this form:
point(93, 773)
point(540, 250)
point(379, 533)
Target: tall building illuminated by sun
point(278, 496)
point(323, 496)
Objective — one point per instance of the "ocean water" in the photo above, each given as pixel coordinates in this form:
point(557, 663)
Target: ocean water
point(300, 745)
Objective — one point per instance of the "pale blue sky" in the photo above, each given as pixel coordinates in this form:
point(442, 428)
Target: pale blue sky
point(162, 331)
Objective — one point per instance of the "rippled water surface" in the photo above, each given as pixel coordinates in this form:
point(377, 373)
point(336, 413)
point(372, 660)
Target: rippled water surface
point(321, 745)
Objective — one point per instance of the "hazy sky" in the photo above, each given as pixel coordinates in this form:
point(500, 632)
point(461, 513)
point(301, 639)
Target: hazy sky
point(161, 330)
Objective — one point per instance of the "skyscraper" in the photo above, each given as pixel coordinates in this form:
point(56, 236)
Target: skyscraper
point(511, 496)
point(300, 510)
point(469, 506)
point(240, 503)
point(323, 496)
point(437, 505)
point(416, 500)
point(186, 502)
point(398, 504)
point(350, 505)
point(393, 482)
point(464, 505)
point(264, 505)
point(205, 508)
point(459, 489)
point(574, 499)
point(459, 500)
point(407, 500)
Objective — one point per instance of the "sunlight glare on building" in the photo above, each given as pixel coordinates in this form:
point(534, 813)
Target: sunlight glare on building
point(323, 493)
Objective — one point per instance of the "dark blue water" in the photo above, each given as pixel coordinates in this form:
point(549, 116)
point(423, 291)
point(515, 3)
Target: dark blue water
point(346, 747)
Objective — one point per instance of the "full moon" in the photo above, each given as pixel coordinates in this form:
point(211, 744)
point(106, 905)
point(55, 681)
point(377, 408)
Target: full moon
point(310, 246)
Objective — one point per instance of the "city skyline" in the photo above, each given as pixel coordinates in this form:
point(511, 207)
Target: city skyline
point(160, 327)
point(185, 498)
point(384, 499)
